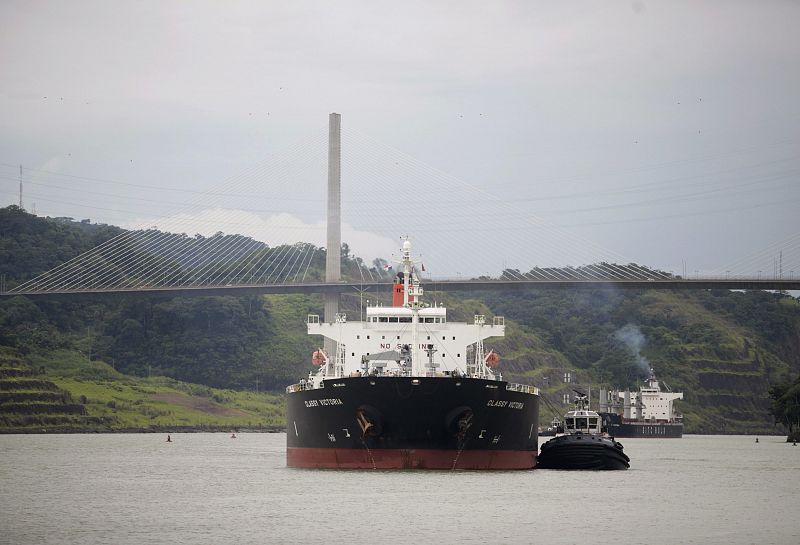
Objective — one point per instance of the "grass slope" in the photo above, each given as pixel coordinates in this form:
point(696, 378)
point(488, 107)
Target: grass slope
point(112, 401)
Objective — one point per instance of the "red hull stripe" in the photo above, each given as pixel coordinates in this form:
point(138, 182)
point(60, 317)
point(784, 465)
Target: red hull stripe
point(332, 458)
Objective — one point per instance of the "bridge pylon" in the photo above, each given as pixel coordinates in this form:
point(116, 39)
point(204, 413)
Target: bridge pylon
point(333, 260)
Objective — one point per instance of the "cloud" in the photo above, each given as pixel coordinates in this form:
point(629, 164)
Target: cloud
point(275, 229)
point(53, 164)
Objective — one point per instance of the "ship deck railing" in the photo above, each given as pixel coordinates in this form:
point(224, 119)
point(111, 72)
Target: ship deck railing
point(524, 388)
point(512, 386)
point(299, 387)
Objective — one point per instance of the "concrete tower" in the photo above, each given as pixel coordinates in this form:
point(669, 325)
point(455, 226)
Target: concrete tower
point(333, 263)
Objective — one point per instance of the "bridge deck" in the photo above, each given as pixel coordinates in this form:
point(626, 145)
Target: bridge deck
point(443, 285)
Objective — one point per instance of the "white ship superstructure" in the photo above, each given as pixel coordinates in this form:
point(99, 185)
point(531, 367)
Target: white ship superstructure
point(406, 339)
point(651, 404)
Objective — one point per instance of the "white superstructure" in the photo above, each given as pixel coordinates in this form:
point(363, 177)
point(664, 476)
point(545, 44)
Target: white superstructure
point(649, 404)
point(406, 339)
point(582, 419)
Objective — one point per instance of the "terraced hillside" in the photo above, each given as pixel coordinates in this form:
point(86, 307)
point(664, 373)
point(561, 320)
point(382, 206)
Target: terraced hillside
point(699, 343)
point(29, 400)
point(64, 392)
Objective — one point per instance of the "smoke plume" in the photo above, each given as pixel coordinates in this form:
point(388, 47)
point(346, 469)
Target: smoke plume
point(632, 337)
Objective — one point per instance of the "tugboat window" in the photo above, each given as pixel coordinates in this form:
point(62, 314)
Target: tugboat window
point(393, 319)
point(383, 319)
point(580, 423)
point(405, 319)
point(592, 422)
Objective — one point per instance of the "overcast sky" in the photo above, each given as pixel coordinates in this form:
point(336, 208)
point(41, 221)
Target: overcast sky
point(662, 132)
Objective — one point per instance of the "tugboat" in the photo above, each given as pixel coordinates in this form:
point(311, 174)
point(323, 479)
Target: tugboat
point(583, 446)
point(403, 392)
point(650, 412)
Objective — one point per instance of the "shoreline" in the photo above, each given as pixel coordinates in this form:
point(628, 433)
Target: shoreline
point(175, 429)
point(263, 429)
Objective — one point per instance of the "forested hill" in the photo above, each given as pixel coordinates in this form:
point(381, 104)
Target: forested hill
point(723, 349)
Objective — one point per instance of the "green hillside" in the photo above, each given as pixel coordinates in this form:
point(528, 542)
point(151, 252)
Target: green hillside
point(724, 350)
point(63, 391)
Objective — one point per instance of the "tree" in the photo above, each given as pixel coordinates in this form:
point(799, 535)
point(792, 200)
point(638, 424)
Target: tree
point(786, 407)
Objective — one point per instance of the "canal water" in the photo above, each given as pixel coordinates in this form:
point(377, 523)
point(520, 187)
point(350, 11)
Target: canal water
point(210, 488)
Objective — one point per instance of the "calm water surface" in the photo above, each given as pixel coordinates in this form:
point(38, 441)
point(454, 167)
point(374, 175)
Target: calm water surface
point(209, 488)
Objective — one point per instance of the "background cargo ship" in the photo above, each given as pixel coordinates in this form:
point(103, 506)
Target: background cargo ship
point(650, 412)
point(407, 389)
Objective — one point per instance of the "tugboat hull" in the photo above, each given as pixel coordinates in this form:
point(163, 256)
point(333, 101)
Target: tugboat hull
point(412, 423)
point(582, 452)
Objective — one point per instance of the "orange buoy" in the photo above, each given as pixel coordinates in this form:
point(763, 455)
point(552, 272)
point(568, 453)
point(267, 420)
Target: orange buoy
point(318, 358)
point(492, 359)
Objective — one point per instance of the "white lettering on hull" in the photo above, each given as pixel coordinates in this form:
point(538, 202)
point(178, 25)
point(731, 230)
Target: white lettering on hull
point(502, 403)
point(323, 402)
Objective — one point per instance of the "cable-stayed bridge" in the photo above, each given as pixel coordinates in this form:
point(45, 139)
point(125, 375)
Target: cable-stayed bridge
point(471, 239)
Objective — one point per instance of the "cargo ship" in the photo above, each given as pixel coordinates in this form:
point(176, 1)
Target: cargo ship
point(650, 412)
point(408, 389)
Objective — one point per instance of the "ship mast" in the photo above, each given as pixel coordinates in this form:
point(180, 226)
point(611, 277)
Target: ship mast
point(480, 355)
point(412, 293)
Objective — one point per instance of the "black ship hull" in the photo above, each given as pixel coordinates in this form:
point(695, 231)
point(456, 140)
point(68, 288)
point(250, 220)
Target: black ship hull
point(412, 423)
point(583, 451)
point(615, 427)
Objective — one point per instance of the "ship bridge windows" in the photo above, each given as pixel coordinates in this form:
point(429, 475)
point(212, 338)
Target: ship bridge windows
point(392, 319)
point(580, 423)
